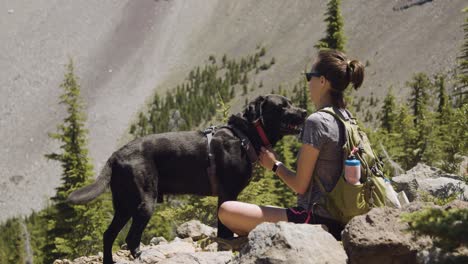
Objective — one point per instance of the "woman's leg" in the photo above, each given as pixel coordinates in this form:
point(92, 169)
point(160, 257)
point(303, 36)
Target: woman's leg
point(242, 217)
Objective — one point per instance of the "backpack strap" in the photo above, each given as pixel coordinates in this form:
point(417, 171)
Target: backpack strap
point(211, 169)
point(346, 121)
point(332, 111)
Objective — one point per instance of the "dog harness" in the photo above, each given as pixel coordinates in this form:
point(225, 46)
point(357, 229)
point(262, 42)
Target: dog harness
point(211, 170)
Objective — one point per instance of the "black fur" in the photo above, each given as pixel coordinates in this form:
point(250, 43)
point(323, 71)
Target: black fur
point(175, 163)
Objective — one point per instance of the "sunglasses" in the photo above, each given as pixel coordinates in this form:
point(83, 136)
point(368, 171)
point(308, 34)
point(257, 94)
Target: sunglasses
point(311, 74)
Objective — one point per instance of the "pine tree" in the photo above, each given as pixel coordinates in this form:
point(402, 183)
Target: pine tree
point(447, 228)
point(256, 193)
point(456, 144)
point(287, 150)
point(462, 76)
point(388, 112)
point(335, 38)
point(36, 224)
point(12, 245)
point(73, 230)
point(444, 103)
point(420, 88)
point(300, 95)
point(437, 125)
point(405, 139)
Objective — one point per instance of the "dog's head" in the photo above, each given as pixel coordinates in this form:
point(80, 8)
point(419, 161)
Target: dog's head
point(279, 117)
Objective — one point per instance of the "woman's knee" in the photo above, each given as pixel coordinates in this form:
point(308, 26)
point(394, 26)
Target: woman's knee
point(225, 210)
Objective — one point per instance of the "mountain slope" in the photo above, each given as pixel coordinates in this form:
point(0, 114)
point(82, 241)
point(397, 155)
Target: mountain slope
point(124, 50)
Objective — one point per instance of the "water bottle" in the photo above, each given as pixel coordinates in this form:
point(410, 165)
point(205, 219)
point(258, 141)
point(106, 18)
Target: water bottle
point(390, 195)
point(352, 170)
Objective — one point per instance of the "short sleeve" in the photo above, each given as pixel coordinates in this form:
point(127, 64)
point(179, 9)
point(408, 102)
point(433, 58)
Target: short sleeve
point(314, 131)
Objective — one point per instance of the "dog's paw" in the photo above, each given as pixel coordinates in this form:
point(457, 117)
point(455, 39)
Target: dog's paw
point(135, 252)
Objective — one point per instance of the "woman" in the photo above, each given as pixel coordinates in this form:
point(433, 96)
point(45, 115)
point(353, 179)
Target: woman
point(320, 156)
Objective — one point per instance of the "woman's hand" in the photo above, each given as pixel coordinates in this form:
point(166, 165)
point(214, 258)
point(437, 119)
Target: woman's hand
point(267, 158)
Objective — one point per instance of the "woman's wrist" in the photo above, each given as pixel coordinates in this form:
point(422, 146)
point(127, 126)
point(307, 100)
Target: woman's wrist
point(276, 166)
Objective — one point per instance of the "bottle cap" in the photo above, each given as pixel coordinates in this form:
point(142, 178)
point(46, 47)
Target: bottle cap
point(352, 162)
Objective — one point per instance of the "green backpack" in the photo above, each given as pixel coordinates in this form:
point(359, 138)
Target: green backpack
point(346, 200)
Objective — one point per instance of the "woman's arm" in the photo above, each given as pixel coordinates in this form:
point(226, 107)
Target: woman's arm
point(298, 181)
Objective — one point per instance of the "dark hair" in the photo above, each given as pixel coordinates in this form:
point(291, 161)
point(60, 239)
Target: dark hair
point(340, 72)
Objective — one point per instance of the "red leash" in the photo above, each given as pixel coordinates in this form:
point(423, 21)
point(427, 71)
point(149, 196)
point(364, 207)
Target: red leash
point(261, 133)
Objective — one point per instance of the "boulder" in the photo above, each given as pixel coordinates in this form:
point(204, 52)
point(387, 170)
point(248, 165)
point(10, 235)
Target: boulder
point(195, 229)
point(200, 258)
point(170, 249)
point(157, 240)
point(213, 247)
point(380, 237)
point(151, 255)
point(423, 178)
point(291, 243)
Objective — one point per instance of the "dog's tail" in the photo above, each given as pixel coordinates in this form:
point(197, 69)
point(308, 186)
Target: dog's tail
point(90, 192)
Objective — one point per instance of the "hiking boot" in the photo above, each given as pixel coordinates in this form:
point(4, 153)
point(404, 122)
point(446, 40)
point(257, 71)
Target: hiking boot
point(234, 243)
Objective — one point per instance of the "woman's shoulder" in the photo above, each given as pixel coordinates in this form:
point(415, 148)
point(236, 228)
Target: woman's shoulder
point(321, 116)
point(320, 128)
point(318, 123)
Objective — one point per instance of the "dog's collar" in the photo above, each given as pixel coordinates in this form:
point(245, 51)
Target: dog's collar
point(246, 143)
point(261, 133)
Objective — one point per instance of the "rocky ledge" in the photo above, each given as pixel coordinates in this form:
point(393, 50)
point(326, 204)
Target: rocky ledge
point(376, 237)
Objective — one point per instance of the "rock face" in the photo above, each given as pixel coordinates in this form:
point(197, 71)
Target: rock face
point(193, 245)
point(379, 237)
point(376, 237)
point(291, 243)
point(423, 178)
point(200, 257)
point(268, 243)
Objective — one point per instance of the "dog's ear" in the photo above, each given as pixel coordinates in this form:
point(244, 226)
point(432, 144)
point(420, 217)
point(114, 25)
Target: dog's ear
point(253, 109)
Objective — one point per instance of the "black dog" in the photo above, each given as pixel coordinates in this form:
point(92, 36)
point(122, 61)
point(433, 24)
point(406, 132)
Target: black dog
point(142, 171)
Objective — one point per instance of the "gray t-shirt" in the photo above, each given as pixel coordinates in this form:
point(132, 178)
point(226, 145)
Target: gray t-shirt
point(322, 131)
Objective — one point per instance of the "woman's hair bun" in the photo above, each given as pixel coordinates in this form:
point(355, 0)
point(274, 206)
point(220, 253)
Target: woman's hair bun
point(356, 73)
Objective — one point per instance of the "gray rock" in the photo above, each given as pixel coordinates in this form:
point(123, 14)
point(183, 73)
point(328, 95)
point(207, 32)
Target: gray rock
point(151, 255)
point(377, 237)
point(380, 237)
point(291, 243)
point(196, 230)
point(200, 258)
point(407, 184)
point(173, 248)
point(456, 204)
point(188, 239)
point(83, 260)
point(213, 247)
point(423, 178)
point(158, 240)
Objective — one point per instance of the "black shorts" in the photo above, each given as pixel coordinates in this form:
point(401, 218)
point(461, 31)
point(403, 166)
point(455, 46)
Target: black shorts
point(300, 215)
